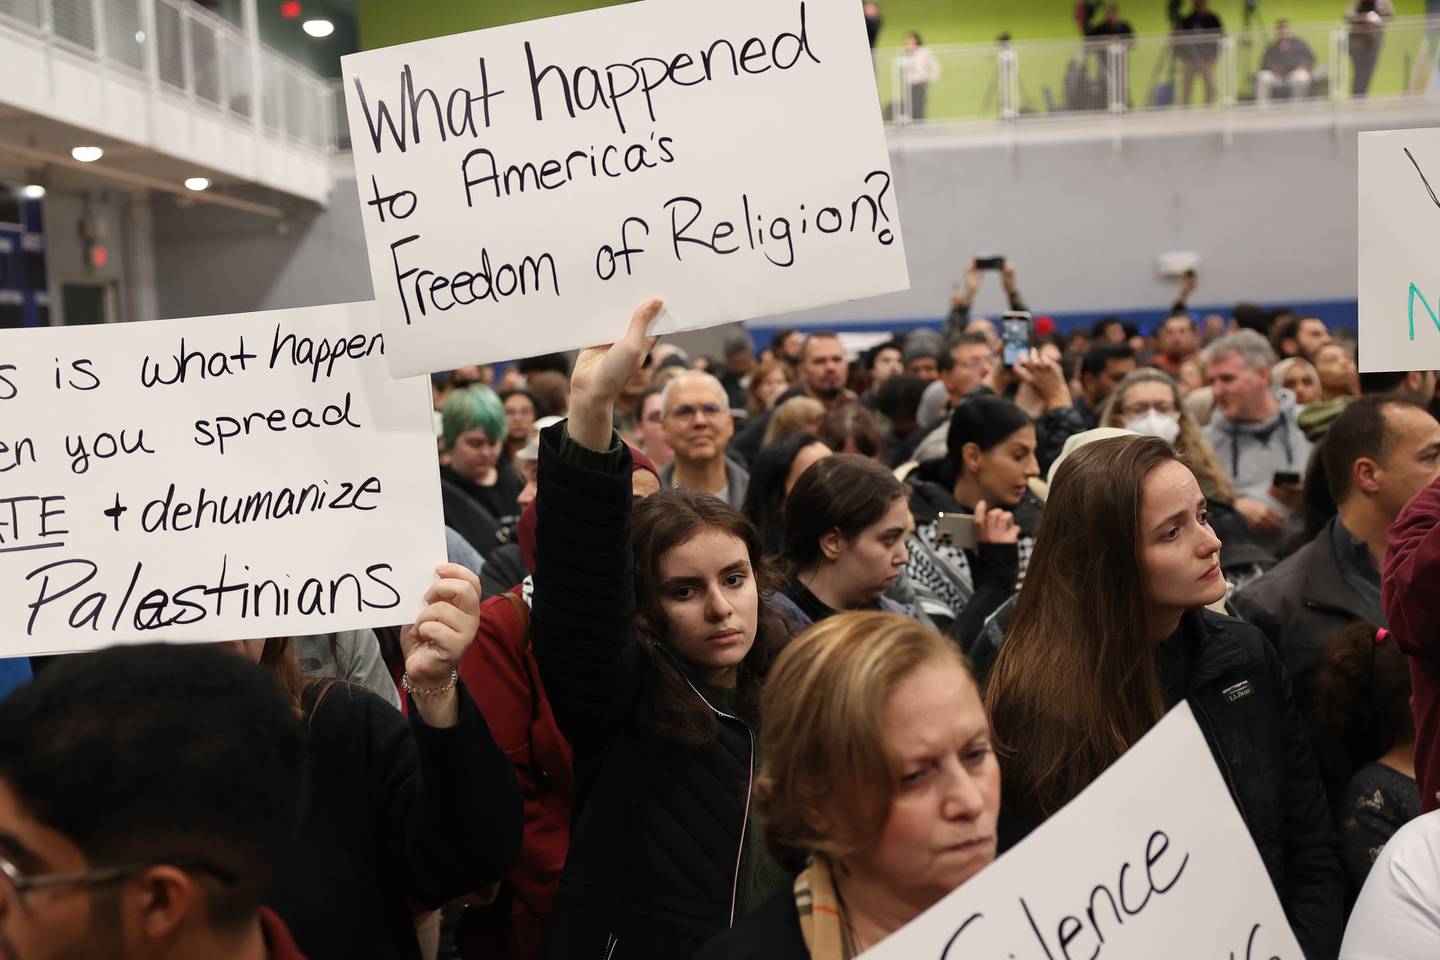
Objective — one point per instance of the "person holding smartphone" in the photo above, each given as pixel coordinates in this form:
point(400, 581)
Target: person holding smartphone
point(985, 475)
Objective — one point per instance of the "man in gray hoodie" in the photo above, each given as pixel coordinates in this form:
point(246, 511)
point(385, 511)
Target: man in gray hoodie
point(1255, 432)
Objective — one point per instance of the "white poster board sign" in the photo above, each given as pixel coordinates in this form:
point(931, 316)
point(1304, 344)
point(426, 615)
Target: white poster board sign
point(1141, 865)
point(1399, 239)
point(524, 188)
point(219, 478)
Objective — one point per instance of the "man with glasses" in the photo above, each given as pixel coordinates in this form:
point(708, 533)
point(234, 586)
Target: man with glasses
point(146, 796)
point(698, 428)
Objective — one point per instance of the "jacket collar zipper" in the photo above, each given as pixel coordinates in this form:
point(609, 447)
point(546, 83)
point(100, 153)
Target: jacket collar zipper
point(749, 787)
point(1224, 763)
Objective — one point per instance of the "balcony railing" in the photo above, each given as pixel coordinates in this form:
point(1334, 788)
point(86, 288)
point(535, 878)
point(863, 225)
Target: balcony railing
point(190, 53)
point(1031, 79)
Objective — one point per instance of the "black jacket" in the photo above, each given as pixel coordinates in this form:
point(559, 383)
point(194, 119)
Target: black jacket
point(1236, 685)
point(772, 932)
point(1300, 604)
point(657, 835)
point(1241, 695)
point(394, 809)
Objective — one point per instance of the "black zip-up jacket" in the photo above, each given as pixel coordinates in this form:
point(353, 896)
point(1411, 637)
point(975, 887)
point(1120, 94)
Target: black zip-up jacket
point(1238, 689)
point(772, 932)
point(1236, 685)
point(656, 841)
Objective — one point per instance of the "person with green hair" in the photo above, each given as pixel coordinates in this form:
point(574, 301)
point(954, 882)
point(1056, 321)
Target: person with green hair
point(473, 429)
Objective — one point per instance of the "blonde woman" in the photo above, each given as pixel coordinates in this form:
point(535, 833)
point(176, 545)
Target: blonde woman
point(796, 415)
point(887, 708)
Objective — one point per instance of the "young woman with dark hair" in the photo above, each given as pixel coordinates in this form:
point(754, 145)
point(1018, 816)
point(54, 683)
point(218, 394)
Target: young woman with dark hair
point(1110, 631)
point(846, 526)
point(986, 474)
point(772, 476)
point(653, 641)
point(1366, 729)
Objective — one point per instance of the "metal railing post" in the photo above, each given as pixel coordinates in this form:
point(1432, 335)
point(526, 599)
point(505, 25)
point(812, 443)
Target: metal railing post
point(250, 19)
point(150, 49)
point(1339, 65)
point(1230, 77)
point(902, 91)
point(1009, 84)
point(97, 17)
point(1119, 81)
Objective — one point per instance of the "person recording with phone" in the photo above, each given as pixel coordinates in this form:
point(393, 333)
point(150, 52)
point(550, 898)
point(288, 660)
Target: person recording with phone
point(963, 297)
point(986, 475)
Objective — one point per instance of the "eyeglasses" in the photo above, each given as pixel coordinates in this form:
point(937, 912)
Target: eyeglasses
point(1140, 409)
point(710, 411)
point(11, 877)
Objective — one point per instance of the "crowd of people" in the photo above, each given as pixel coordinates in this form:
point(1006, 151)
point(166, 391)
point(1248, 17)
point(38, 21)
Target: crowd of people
point(763, 654)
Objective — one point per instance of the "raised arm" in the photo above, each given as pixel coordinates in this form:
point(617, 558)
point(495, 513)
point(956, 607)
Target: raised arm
point(449, 803)
point(584, 601)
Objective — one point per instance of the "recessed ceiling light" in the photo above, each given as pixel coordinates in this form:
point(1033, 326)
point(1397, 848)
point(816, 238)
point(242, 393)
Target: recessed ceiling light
point(197, 183)
point(87, 154)
point(139, 36)
point(32, 191)
point(318, 28)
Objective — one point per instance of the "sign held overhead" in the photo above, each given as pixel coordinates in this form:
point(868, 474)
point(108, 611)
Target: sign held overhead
point(523, 187)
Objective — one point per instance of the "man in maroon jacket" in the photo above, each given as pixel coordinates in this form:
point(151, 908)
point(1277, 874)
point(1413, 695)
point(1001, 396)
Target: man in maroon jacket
point(1412, 603)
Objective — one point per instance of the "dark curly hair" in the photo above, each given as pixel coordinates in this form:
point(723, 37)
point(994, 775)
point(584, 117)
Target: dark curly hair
point(671, 708)
point(1362, 701)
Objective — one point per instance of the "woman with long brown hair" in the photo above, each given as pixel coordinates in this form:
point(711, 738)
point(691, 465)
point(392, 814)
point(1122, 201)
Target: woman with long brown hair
point(653, 640)
point(1110, 631)
point(1149, 403)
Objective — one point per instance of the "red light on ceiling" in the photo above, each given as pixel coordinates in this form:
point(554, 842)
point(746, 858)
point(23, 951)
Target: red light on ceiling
point(290, 9)
point(99, 256)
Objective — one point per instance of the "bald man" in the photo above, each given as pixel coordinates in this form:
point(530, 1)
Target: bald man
point(698, 427)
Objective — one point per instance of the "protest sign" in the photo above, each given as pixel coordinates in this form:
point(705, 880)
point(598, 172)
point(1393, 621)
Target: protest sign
point(1152, 860)
point(1399, 238)
point(524, 188)
point(218, 478)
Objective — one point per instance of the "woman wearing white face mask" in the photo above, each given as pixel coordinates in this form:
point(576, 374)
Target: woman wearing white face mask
point(1148, 402)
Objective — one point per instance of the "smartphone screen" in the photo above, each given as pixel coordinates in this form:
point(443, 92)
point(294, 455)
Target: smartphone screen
point(958, 530)
point(1015, 335)
point(989, 263)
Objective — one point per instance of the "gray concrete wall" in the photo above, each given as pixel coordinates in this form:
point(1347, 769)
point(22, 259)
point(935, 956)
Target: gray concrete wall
point(1272, 216)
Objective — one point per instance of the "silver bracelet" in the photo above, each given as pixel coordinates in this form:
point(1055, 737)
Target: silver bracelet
point(430, 691)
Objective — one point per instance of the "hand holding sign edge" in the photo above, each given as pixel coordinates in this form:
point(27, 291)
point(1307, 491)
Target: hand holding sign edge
point(601, 373)
point(441, 634)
